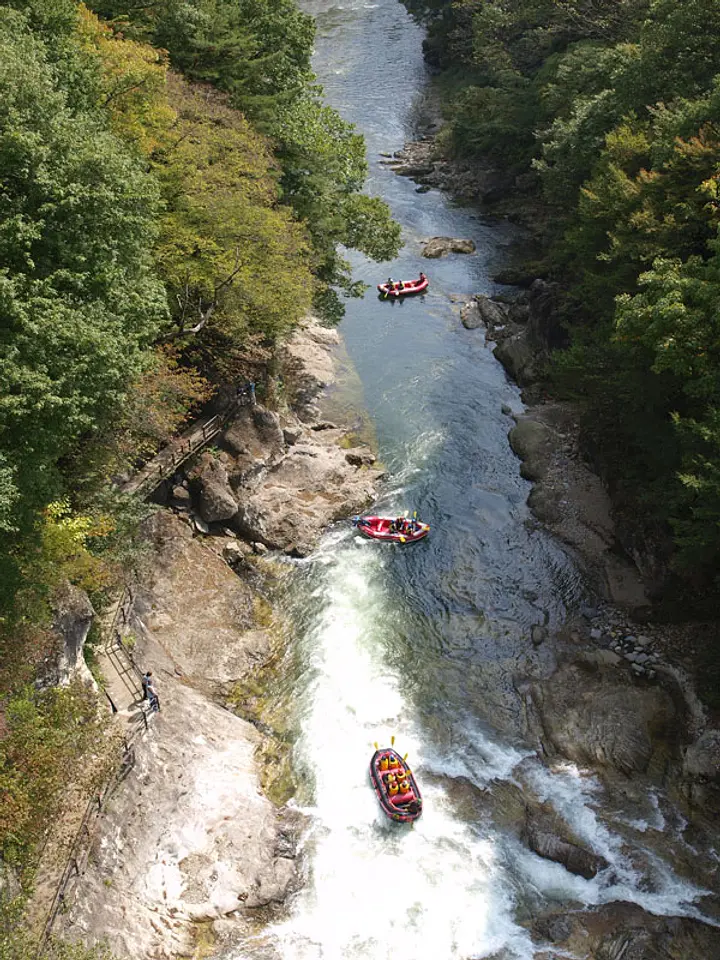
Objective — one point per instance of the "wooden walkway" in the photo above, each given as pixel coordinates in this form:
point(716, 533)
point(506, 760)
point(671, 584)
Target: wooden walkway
point(164, 464)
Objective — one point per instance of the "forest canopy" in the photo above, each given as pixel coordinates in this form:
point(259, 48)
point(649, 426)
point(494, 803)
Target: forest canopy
point(173, 196)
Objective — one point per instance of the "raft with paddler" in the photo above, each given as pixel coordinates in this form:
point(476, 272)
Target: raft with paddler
point(394, 784)
point(402, 529)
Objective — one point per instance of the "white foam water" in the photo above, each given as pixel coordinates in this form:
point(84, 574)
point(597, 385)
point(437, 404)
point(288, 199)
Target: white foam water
point(575, 795)
point(435, 889)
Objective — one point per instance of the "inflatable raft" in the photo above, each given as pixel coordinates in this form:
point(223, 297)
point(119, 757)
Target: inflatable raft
point(391, 529)
point(395, 786)
point(408, 288)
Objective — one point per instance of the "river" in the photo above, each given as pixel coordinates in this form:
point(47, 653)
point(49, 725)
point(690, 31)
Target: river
point(423, 642)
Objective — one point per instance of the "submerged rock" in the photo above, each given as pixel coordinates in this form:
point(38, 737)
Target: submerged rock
point(624, 931)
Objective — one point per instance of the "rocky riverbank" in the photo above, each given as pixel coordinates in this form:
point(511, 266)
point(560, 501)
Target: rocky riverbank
point(612, 694)
point(191, 853)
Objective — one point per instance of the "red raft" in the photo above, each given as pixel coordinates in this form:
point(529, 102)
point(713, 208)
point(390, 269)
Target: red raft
point(393, 530)
point(395, 786)
point(407, 289)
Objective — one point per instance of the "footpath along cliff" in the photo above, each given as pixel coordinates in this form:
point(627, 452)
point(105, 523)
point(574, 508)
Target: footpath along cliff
point(191, 851)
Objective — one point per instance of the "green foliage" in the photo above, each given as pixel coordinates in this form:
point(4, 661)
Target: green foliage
point(47, 734)
point(323, 168)
point(78, 302)
point(258, 51)
point(226, 245)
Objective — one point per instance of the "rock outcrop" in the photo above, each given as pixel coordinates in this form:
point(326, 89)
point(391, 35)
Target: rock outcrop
point(73, 615)
point(192, 615)
point(596, 717)
point(517, 356)
point(572, 500)
point(280, 479)
point(437, 247)
point(623, 931)
point(189, 839)
point(216, 499)
point(313, 485)
point(702, 758)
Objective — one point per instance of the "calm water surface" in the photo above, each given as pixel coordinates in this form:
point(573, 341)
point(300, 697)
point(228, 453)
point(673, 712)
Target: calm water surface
point(424, 642)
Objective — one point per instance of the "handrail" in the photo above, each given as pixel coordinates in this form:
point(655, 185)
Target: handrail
point(149, 477)
point(80, 848)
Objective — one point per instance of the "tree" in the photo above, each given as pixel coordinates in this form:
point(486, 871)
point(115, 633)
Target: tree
point(78, 300)
point(228, 251)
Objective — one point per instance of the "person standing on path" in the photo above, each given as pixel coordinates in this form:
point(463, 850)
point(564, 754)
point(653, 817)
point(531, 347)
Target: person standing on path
point(149, 691)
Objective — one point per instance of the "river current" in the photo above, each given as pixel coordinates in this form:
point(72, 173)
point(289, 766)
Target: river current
point(423, 642)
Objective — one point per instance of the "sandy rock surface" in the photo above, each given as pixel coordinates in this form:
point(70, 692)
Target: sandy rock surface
point(192, 614)
point(189, 836)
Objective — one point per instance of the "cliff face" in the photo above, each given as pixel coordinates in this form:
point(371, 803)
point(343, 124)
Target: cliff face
point(188, 837)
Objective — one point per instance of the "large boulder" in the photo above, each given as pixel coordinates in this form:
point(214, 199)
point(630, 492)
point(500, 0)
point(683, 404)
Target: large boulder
point(541, 835)
point(596, 717)
point(516, 355)
point(311, 487)
point(254, 439)
point(529, 438)
point(470, 316)
point(437, 247)
point(73, 615)
point(493, 314)
point(702, 758)
point(267, 424)
point(216, 499)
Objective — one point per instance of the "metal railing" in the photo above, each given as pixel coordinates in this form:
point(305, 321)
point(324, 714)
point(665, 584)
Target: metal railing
point(80, 849)
point(125, 665)
point(162, 466)
point(146, 481)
